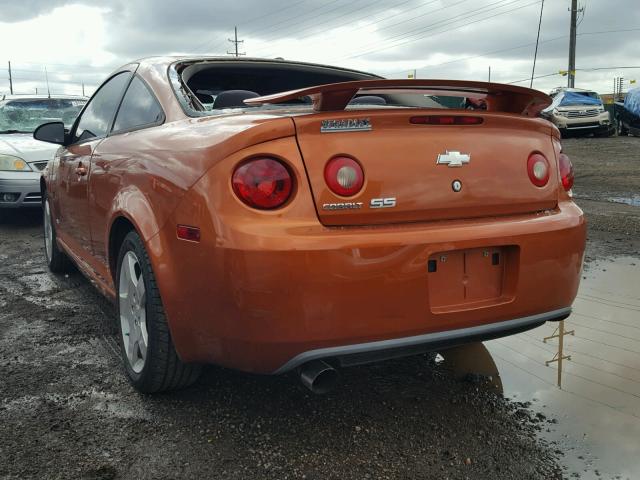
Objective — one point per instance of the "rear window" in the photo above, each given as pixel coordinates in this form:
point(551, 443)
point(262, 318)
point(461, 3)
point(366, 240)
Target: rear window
point(220, 86)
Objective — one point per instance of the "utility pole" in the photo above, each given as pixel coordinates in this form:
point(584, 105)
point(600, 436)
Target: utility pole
point(235, 41)
point(571, 74)
point(46, 76)
point(489, 80)
point(83, 89)
point(10, 79)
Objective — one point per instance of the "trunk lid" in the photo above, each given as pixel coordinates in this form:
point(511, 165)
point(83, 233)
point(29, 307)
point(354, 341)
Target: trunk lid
point(399, 162)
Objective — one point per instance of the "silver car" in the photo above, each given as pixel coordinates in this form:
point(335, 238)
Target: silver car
point(21, 157)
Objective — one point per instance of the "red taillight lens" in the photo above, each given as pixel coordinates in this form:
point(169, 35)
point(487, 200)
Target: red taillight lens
point(538, 169)
point(262, 183)
point(446, 120)
point(566, 171)
point(344, 176)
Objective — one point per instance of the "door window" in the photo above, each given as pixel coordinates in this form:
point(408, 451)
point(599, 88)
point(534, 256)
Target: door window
point(96, 118)
point(139, 108)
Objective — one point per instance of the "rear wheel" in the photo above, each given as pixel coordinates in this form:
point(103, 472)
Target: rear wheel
point(57, 260)
point(150, 359)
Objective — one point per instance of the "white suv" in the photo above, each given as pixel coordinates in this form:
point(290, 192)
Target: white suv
point(578, 111)
point(21, 157)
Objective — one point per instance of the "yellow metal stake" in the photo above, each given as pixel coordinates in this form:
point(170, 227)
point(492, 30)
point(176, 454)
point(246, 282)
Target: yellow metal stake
point(559, 333)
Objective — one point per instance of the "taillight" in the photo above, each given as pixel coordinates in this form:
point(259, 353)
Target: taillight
point(263, 183)
point(538, 169)
point(566, 171)
point(344, 176)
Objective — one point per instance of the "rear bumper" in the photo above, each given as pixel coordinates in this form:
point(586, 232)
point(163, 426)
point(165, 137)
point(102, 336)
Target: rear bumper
point(361, 353)
point(26, 192)
point(264, 297)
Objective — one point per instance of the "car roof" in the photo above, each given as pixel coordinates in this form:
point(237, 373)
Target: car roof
point(173, 59)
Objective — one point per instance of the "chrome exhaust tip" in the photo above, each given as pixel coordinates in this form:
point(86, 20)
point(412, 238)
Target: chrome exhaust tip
point(318, 376)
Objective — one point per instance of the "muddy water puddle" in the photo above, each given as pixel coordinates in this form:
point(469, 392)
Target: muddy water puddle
point(597, 407)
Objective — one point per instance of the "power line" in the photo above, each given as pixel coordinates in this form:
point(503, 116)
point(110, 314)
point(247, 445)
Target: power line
point(524, 45)
point(593, 400)
point(589, 355)
point(316, 24)
point(295, 17)
point(573, 360)
point(387, 17)
point(280, 33)
point(535, 55)
point(586, 295)
point(575, 312)
point(574, 374)
point(445, 22)
point(260, 17)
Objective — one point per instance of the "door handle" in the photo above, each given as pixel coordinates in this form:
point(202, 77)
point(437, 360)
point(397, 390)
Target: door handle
point(68, 157)
point(80, 170)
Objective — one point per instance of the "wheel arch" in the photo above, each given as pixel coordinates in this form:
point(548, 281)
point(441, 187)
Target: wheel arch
point(120, 227)
point(130, 210)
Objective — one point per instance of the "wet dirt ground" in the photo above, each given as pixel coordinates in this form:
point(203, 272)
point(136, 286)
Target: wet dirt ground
point(489, 411)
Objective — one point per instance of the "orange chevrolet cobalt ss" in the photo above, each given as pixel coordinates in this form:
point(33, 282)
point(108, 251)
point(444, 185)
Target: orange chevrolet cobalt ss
point(271, 216)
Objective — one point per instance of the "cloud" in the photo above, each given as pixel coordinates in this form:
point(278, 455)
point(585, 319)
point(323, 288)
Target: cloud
point(439, 38)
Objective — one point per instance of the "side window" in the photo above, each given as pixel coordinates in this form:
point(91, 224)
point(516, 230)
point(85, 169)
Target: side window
point(139, 107)
point(97, 117)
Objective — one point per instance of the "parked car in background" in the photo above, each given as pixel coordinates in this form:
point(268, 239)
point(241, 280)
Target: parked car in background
point(310, 217)
point(579, 112)
point(22, 158)
point(627, 114)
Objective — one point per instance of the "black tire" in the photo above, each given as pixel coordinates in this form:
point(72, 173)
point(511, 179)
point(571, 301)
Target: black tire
point(605, 133)
point(162, 370)
point(622, 130)
point(57, 260)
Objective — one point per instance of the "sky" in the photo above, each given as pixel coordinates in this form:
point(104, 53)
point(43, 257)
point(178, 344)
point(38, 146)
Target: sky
point(82, 41)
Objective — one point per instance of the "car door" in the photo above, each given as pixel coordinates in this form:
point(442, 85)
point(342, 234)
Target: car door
point(74, 171)
point(115, 158)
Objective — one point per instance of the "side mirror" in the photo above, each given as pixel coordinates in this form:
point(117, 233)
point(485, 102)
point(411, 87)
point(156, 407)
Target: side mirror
point(52, 132)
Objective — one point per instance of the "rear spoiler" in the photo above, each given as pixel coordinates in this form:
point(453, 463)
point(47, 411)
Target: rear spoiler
point(336, 96)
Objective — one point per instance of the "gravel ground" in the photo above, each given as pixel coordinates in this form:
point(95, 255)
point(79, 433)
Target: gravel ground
point(607, 175)
point(66, 410)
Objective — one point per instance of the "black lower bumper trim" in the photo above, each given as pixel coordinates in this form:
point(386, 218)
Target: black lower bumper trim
point(361, 353)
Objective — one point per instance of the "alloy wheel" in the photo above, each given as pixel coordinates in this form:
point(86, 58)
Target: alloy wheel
point(48, 231)
point(133, 313)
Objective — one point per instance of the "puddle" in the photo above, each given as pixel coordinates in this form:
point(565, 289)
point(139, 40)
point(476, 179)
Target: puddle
point(598, 406)
point(634, 201)
point(104, 403)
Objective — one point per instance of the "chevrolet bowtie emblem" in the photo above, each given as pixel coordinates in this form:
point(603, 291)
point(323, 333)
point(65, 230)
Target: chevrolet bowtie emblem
point(453, 159)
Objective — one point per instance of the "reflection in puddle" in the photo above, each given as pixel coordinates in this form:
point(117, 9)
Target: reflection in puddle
point(472, 362)
point(598, 407)
point(633, 201)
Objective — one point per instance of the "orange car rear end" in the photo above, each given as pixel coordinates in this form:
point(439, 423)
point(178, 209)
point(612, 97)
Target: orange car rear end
point(321, 227)
point(449, 238)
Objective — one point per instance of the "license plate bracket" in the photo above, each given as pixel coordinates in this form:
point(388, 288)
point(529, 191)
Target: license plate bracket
point(462, 279)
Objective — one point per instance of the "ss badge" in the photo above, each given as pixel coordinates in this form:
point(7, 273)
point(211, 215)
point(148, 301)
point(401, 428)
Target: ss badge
point(388, 202)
